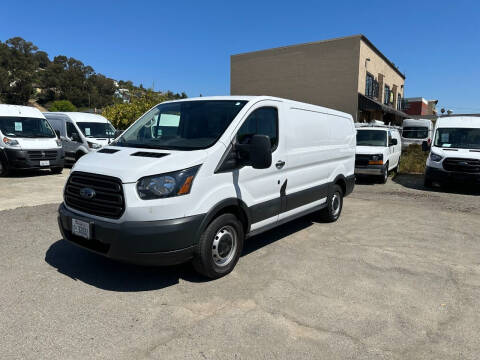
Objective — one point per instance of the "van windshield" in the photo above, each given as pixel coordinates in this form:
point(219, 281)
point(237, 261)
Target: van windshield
point(460, 138)
point(183, 125)
point(26, 127)
point(415, 132)
point(371, 138)
point(97, 130)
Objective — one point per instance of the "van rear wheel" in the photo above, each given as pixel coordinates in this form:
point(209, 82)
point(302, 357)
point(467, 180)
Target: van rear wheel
point(219, 247)
point(334, 205)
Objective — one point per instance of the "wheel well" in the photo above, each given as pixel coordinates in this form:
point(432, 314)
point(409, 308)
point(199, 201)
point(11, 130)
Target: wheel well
point(343, 185)
point(235, 210)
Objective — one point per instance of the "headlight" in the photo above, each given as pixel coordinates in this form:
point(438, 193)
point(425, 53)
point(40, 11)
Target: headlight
point(59, 142)
point(93, 145)
point(435, 157)
point(376, 159)
point(10, 142)
point(166, 185)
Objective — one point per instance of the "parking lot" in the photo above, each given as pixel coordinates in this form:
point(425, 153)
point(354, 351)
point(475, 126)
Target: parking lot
point(397, 277)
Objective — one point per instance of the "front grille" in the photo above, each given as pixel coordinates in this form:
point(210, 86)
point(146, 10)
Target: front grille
point(42, 154)
point(108, 200)
point(361, 160)
point(462, 165)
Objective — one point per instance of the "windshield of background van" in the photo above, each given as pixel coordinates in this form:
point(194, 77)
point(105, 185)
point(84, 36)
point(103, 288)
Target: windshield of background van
point(415, 132)
point(371, 138)
point(24, 127)
point(460, 138)
point(96, 130)
point(185, 125)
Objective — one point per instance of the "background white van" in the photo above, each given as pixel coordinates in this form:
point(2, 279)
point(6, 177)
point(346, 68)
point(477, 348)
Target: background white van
point(455, 151)
point(81, 132)
point(378, 151)
point(191, 179)
point(27, 141)
point(416, 131)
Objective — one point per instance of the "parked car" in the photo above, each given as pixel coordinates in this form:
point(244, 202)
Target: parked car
point(416, 131)
point(378, 151)
point(455, 151)
point(191, 179)
point(80, 132)
point(27, 141)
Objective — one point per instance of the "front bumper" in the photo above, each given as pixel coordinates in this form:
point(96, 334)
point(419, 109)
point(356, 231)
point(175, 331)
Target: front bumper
point(369, 170)
point(22, 160)
point(152, 243)
point(436, 174)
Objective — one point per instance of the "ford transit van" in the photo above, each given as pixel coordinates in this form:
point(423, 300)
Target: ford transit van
point(27, 141)
point(80, 132)
point(192, 179)
point(416, 131)
point(378, 151)
point(455, 151)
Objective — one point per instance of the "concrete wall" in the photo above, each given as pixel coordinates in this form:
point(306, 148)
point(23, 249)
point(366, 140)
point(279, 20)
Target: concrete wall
point(323, 73)
point(381, 70)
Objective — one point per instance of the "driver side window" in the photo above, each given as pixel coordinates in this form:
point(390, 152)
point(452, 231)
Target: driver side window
point(71, 130)
point(263, 121)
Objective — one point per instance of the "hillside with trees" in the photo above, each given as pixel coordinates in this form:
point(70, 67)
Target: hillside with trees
point(28, 73)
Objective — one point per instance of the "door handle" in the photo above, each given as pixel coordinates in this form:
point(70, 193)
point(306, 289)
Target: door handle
point(280, 164)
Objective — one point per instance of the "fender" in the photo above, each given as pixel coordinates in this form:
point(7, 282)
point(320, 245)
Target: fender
point(226, 203)
point(349, 183)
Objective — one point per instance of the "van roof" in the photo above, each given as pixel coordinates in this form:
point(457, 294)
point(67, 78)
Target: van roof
point(459, 122)
point(20, 111)
point(78, 116)
point(416, 122)
point(254, 99)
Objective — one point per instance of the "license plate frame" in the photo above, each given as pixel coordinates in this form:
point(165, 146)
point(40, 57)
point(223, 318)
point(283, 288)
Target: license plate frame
point(44, 162)
point(82, 228)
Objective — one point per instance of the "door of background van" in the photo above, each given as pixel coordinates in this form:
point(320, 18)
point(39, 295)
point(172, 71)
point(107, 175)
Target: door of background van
point(260, 188)
point(394, 150)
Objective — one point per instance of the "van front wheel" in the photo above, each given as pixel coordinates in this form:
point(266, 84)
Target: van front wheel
point(219, 247)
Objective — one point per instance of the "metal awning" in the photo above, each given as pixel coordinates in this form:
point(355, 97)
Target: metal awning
point(367, 104)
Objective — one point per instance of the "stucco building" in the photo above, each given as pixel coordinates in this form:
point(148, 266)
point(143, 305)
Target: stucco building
point(348, 74)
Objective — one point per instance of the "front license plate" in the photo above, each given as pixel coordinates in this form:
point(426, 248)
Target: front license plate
point(81, 228)
point(44, 162)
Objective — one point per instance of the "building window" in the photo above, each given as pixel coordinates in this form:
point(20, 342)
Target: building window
point(386, 99)
point(399, 102)
point(371, 86)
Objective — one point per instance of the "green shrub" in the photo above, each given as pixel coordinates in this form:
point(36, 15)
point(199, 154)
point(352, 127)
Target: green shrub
point(62, 105)
point(413, 160)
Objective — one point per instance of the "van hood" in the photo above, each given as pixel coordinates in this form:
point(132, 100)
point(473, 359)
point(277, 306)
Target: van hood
point(457, 153)
point(369, 150)
point(130, 168)
point(36, 143)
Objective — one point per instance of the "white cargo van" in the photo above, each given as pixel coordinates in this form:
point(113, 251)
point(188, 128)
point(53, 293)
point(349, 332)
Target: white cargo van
point(378, 151)
point(27, 141)
point(416, 131)
point(191, 179)
point(80, 132)
point(455, 151)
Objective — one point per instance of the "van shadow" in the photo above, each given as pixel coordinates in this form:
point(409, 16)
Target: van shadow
point(18, 174)
point(110, 275)
point(415, 182)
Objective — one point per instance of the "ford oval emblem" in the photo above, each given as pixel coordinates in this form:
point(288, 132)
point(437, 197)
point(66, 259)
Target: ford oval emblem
point(87, 193)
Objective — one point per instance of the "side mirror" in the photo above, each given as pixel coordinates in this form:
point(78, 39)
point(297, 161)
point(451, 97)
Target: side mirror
point(425, 146)
point(58, 133)
point(394, 142)
point(117, 133)
point(260, 149)
point(76, 137)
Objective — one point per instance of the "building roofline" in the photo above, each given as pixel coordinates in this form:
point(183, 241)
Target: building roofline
point(359, 36)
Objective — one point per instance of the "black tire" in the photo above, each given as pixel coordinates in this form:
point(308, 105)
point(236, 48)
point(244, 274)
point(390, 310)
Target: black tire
point(207, 256)
point(56, 170)
point(4, 170)
point(384, 176)
point(427, 182)
point(334, 205)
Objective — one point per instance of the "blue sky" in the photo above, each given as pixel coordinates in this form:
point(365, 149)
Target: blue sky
point(186, 45)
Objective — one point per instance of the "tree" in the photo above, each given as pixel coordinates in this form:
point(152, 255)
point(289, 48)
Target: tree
point(62, 105)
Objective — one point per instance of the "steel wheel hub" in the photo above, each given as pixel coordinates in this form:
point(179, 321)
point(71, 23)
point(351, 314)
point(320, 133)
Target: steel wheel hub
point(335, 204)
point(224, 245)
